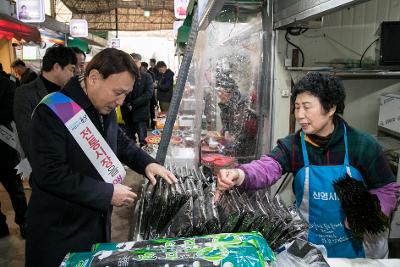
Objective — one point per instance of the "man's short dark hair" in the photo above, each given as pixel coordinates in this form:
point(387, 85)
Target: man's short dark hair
point(112, 61)
point(18, 63)
point(328, 88)
point(161, 64)
point(79, 51)
point(58, 54)
point(153, 60)
point(136, 56)
point(144, 64)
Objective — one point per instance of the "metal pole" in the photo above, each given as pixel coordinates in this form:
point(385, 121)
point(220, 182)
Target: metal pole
point(116, 21)
point(265, 94)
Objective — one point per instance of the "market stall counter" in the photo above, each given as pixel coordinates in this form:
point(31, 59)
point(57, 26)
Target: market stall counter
point(340, 262)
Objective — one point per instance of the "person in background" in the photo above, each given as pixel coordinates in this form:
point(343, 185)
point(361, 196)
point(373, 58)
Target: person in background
point(153, 69)
point(153, 101)
point(324, 149)
point(239, 121)
point(164, 86)
point(24, 74)
point(8, 160)
point(3, 73)
point(135, 109)
point(80, 61)
point(71, 205)
point(58, 67)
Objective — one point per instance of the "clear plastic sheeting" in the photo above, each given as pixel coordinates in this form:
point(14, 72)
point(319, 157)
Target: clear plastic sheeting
point(219, 109)
point(232, 71)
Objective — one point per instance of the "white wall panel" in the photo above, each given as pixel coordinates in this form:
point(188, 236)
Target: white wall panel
point(354, 28)
point(343, 38)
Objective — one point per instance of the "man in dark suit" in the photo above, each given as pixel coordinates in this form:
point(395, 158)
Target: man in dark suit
point(165, 86)
point(136, 107)
point(24, 73)
point(57, 69)
point(70, 207)
point(8, 160)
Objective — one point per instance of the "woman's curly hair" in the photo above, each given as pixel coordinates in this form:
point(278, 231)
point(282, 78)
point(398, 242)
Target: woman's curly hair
point(328, 88)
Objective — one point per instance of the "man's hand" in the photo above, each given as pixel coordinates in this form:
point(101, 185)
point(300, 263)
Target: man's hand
point(154, 169)
point(122, 196)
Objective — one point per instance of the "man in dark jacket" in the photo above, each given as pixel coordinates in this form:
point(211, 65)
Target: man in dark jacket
point(70, 207)
point(24, 74)
point(239, 120)
point(135, 110)
point(164, 86)
point(153, 100)
point(3, 73)
point(8, 160)
point(57, 68)
point(153, 69)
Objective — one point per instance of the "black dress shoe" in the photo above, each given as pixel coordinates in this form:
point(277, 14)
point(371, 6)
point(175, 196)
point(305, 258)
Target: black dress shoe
point(4, 231)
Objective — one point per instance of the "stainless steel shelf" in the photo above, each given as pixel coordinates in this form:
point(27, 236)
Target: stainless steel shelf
point(349, 74)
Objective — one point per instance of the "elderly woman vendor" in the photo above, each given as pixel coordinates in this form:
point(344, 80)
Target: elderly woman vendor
point(325, 149)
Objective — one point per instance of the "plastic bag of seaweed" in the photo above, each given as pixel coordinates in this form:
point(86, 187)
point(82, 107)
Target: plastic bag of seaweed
point(136, 229)
point(262, 217)
point(249, 214)
point(297, 229)
point(229, 212)
point(182, 223)
point(301, 253)
point(212, 223)
point(146, 211)
point(276, 224)
point(244, 249)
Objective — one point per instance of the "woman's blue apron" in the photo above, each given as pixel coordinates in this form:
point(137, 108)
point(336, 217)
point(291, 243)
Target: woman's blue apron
point(319, 204)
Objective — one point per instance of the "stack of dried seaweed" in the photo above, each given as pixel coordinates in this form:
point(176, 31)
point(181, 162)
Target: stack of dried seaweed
point(361, 208)
point(188, 209)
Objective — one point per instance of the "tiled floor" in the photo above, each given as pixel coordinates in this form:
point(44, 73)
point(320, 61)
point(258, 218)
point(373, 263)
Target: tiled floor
point(12, 247)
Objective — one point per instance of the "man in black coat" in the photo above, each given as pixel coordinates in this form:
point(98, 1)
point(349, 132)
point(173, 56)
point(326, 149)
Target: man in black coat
point(24, 73)
point(165, 86)
point(58, 67)
point(70, 207)
point(135, 110)
point(8, 160)
point(153, 102)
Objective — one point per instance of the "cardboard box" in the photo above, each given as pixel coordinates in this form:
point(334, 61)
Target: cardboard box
point(389, 112)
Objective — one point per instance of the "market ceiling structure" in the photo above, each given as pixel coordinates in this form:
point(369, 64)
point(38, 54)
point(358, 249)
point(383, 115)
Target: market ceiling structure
point(123, 15)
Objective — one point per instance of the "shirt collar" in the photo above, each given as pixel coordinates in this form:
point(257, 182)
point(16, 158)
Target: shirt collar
point(50, 86)
point(337, 134)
